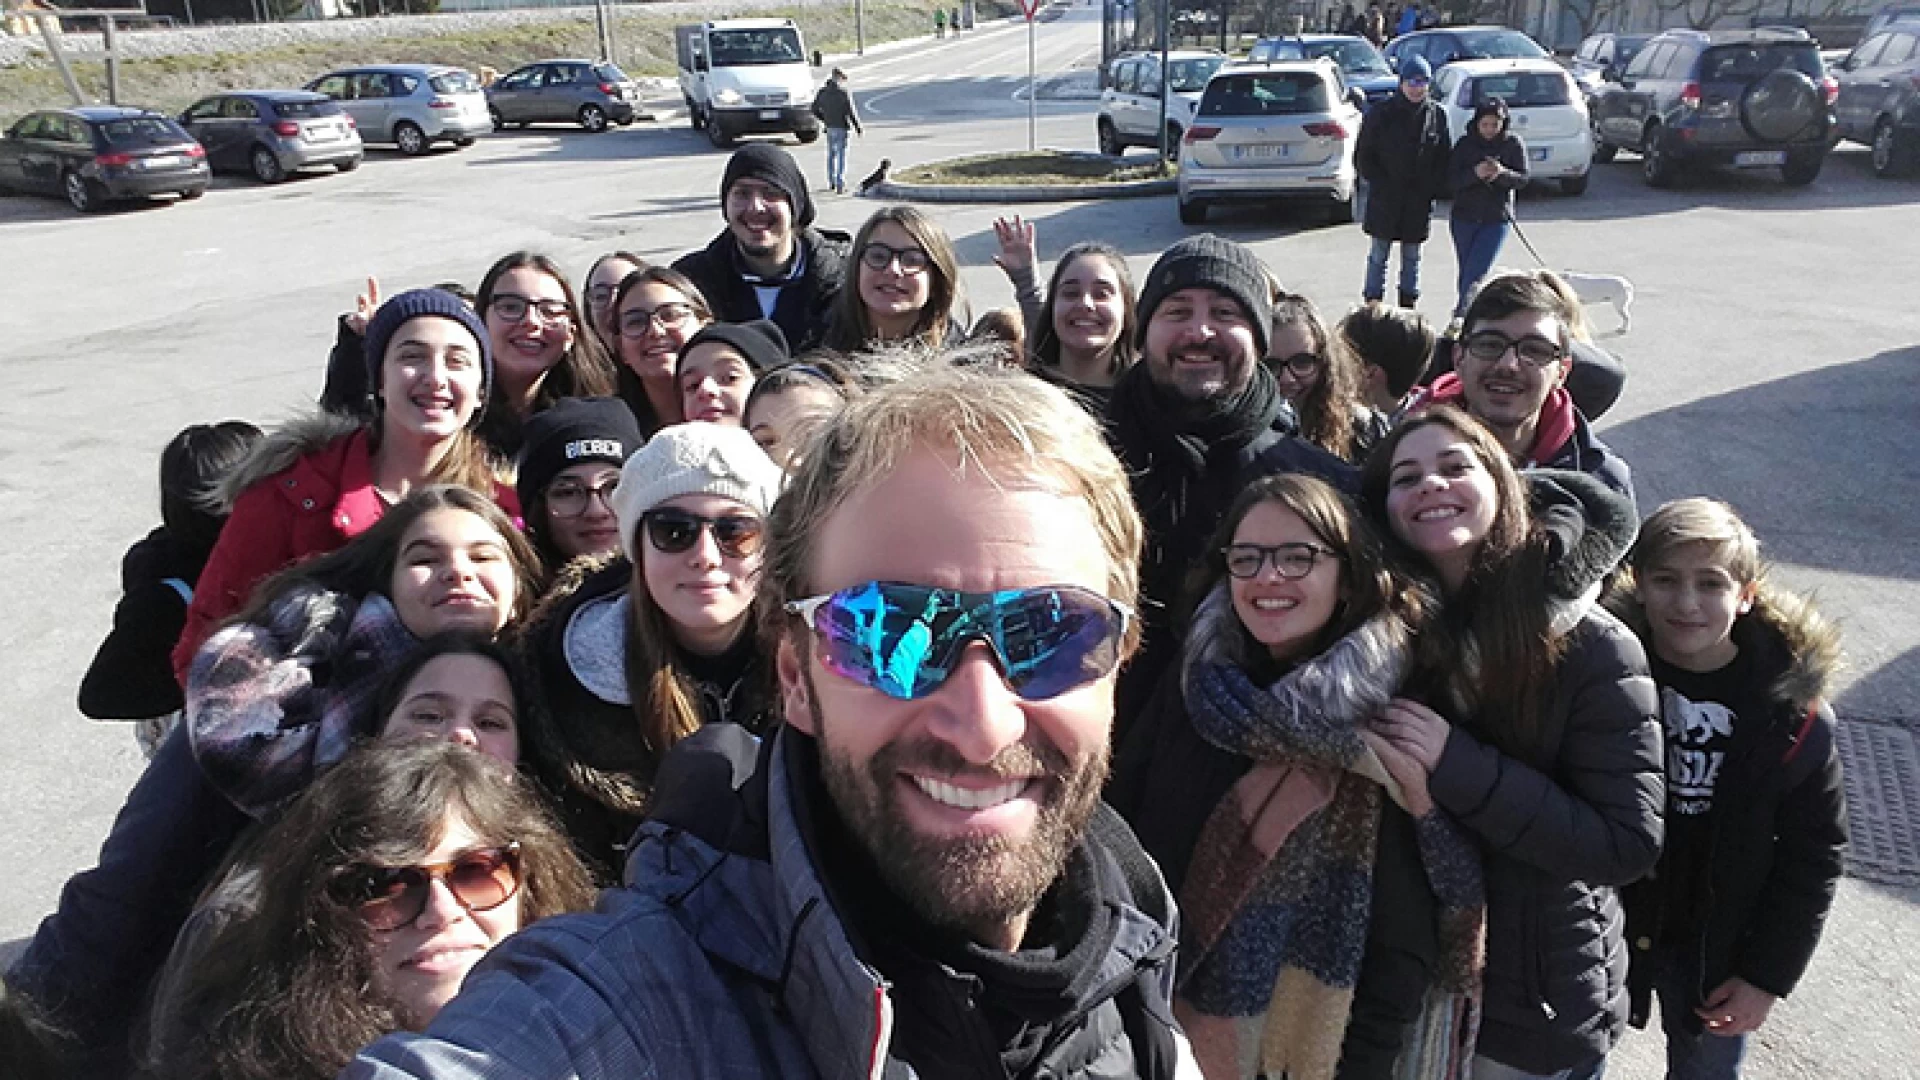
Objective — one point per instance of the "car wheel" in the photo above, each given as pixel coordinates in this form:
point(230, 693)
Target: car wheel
point(1110, 143)
point(1603, 151)
point(1802, 169)
point(409, 138)
point(1340, 212)
point(1193, 212)
point(694, 119)
point(348, 165)
point(717, 134)
point(499, 123)
point(1575, 185)
point(192, 193)
point(1173, 142)
point(1893, 156)
point(79, 192)
point(1657, 166)
point(807, 135)
point(593, 118)
point(266, 166)
point(463, 142)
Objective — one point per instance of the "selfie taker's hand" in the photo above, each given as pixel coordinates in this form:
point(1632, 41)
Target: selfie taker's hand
point(1016, 243)
point(1416, 730)
point(1735, 1007)
point(1408, 773)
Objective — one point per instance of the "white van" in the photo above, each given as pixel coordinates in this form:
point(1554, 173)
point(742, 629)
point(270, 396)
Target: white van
point(746, 76)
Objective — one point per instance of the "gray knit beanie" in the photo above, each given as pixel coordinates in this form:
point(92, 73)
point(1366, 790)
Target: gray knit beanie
point(1207, 261)
point(694, 459)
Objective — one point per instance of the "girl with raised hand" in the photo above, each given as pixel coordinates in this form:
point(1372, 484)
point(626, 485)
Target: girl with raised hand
point(639, 652)
point(1080, 336)
point(1316, 376)
point(655, 311)
point(1322, 895)
point(274, 698)
point(1531, 712)
point(904, 283)
point(541, 345)
point(600, 286)
point(314, 485)
point(373, 896)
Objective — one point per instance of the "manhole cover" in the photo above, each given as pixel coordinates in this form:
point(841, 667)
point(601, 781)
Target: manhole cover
point(1883, 801)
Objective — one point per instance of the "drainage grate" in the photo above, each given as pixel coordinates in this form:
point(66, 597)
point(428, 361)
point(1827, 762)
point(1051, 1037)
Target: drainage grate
point(1883, 801)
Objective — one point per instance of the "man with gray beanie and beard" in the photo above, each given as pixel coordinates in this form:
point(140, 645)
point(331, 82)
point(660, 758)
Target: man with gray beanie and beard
point(769, 262)
point(1197, 420)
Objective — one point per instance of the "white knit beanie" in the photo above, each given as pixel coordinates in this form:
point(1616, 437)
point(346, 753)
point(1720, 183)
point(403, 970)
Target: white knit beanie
point(694, 459)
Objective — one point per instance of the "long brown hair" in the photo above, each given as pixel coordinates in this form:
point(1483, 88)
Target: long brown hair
point(469, 461)
point(1326, 409)
point(365, 565)
point(852, 328)
point(289, 991)
point(1045, 340)
point(627, 385)
point(583, 371)
point(1494, 652)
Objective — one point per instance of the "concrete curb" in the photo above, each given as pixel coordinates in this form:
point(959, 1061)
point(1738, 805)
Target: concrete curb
point(1021, 193)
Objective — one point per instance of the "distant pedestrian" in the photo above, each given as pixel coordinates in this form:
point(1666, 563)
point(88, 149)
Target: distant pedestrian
point(1487, 166)
point(1402, 155)
point(1756, 822)
point(953, 19)
point(1409, 20)
point(834, 106)
point(939, 22)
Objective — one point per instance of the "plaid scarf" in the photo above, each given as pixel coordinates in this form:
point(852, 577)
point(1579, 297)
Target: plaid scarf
point(1278, 897)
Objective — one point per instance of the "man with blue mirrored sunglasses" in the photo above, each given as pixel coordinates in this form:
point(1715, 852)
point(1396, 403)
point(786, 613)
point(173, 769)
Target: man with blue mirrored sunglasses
point(915, 875)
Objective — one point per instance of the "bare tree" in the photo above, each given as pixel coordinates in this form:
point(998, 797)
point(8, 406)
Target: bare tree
point(1703, 14)
point(1591, 15)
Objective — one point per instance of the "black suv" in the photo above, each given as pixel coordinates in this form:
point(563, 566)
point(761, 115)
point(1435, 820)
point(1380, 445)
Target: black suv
point(1744, 98)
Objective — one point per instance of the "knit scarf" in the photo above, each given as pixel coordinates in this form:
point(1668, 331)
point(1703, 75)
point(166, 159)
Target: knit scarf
point(1556, 417)
point(1279, 894)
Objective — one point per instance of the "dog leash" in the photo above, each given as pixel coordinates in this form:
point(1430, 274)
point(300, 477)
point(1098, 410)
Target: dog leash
point(1528, 244)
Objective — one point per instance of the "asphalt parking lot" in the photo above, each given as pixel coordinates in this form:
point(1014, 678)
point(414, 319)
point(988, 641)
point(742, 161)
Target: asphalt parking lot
point(1774, 359)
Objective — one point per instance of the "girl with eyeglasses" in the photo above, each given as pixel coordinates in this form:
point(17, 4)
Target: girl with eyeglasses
point(317, 483)
point(568, 470)
point(904, 284)
point(1316, 375)
point(656, 311)
point(635, 654)
point(274, 698)
point(541, 345)
point(1081, 334)
point(1531, 712)
point(600, 286)
point(1322, 895)
point(371, 898)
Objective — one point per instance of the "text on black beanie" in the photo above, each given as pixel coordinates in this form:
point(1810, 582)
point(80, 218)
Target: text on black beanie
point(574, 431)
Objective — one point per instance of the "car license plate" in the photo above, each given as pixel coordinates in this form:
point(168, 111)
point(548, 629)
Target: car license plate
point(1263, 152)
point(769, 114)
point(323, 133)
point(1541, 153)
point(160, 161)
point(1749, 159)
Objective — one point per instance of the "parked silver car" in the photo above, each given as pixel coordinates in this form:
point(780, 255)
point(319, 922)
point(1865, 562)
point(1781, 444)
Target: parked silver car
point(411, 106)
point(1282, 131)
point(274, 133)
point(591, 93)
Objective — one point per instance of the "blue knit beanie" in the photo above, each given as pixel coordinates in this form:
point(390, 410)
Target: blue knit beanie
point(1416, 67)
point(413, 304)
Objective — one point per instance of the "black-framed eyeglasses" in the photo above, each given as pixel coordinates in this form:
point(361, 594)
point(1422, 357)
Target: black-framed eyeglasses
point(637, 322)
point(878, 256)
point(670, 531)
point(1292, 561)
point(570, 498)
point(1488, 346)
point(390, 897)
point(1300, 365)
point(515, 308)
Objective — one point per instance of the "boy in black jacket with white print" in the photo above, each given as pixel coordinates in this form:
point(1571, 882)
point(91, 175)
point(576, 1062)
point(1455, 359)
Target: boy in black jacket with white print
point(1756, 814)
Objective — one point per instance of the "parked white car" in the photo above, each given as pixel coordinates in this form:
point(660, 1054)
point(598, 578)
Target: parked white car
point(1130, 100)
point(1268, 133)
point(1548, 109)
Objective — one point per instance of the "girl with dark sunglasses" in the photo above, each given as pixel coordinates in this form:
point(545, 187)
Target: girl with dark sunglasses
point(1321, 894)
point(636, 653)
point(365, 906)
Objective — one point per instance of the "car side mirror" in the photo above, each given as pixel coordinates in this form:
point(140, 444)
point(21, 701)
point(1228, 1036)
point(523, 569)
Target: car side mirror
point(816, 58)
point(1357, 97)
point(699, 63)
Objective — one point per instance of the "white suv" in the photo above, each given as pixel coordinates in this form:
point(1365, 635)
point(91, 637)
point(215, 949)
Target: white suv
point(1270, 132)
point(1547, 110)
point(1130, 101)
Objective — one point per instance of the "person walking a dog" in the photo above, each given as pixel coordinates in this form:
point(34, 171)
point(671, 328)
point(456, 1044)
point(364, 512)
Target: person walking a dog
point(1402, 155)
point(1488, 165)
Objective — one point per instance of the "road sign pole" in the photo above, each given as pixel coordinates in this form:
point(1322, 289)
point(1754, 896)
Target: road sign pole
point(1031, 95)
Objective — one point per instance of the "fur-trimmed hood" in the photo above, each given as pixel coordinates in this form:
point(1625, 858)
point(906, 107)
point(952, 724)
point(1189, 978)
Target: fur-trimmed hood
point(281, 449)
point(1784, 628)
point(1590, 527)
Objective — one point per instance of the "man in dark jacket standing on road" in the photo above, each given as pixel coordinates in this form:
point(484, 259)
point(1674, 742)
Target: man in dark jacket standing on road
point(1402, 155)
point(918, 877)
point(837, 112)
point(770, 262)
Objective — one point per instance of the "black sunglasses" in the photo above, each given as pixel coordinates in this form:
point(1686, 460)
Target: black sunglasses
point(1300, 364)
point(674, 531)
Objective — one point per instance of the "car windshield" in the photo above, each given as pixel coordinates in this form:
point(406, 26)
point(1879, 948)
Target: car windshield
point(141, 131)
point(1499, 45)
point(455, 82)
point(1190, 76)
point(738, 48)
point(1354, 57)
point(609, 73)
point(1522, 90)
point(300, 110)
point(1745, 63)
point(1268, 93)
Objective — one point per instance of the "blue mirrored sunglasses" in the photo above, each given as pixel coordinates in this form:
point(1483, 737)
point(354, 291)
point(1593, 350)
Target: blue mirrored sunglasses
point(904, 640)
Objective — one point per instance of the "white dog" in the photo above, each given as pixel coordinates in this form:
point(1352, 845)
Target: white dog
point(1604, 289)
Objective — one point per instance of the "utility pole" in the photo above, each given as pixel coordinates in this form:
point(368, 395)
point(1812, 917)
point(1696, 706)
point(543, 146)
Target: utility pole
point(859, 28)
point(1166, 35)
